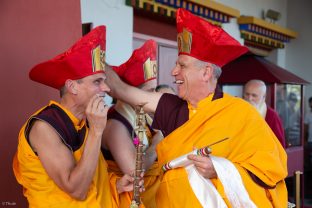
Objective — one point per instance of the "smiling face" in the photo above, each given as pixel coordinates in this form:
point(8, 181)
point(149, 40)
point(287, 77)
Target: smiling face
point(191, 79)
point(89, 86)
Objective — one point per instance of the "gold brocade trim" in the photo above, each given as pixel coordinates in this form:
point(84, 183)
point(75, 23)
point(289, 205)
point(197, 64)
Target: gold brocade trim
point(150, 69)
point(185, 41)
point(98, 59)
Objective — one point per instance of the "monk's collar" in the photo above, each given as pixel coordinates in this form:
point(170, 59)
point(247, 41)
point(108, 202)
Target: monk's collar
point(77, 123)
point(201, 104)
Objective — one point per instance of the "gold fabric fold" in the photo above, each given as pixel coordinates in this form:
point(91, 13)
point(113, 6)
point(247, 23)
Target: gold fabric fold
point(151, 184)
point(251, 146)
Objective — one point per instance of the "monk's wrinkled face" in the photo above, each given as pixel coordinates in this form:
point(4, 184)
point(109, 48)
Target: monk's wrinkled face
point(254, 94)
point(88, 86)
point(187, 77)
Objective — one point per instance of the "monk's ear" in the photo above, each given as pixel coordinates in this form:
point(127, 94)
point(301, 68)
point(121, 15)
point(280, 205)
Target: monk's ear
point(71, 86)
point(208, 72)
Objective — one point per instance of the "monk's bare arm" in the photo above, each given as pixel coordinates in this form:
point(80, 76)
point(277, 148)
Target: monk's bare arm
point(117, 140)
point(129, 94)
point(73, 177)
point(151, 155)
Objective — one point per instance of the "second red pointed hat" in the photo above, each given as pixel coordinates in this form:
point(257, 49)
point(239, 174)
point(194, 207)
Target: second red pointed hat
point(141, 66)
point(202, 40)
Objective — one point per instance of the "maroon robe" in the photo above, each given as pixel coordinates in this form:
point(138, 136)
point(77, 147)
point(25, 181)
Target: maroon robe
point(275, 122)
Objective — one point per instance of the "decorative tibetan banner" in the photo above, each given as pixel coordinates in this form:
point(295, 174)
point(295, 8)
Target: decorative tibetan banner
point(263, 35)
point(214, 12)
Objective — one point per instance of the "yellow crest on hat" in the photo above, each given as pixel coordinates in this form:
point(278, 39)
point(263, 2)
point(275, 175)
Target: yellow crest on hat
point(185, 41)
point(98, 59)
point(150, 69)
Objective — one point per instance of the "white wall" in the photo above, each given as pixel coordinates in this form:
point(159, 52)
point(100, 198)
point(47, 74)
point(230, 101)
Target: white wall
point(118, 19)
point(299, 51)
point(232, 28)
point(255, 7)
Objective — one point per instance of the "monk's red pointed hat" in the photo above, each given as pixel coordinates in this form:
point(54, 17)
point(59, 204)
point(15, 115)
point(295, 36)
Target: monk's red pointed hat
point(202, 40)
point(141, 66)
point(84, 58)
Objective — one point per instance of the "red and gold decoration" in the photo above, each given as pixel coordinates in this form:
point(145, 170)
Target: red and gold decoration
point(98, 59)
point(150, 69)
point(212, 11)
point(205, 41)
point(141, 66)
point(184, 39)
point(84, 58)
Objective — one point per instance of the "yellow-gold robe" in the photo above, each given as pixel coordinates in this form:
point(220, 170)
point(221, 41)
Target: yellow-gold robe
point(41, 191)
point(151, 184)
point(252, 146)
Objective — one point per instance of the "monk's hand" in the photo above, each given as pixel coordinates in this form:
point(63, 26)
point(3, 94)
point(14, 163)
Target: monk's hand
point(125, 183)
point(157, 137)
point(96, 113)
point(204, 165)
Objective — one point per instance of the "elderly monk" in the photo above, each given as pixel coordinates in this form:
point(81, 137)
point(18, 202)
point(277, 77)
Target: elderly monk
point(247, 165)
point(58, 160)
point(255, 94)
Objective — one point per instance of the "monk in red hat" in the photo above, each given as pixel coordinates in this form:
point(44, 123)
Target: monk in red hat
point(118, 141)
point(58, 160)
point(247, 164)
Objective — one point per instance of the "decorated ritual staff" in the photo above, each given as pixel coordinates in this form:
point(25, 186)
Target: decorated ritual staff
point(120, 136)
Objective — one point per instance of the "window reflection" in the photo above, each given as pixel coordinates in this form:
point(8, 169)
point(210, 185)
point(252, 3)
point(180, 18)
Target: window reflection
point(288, 101)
